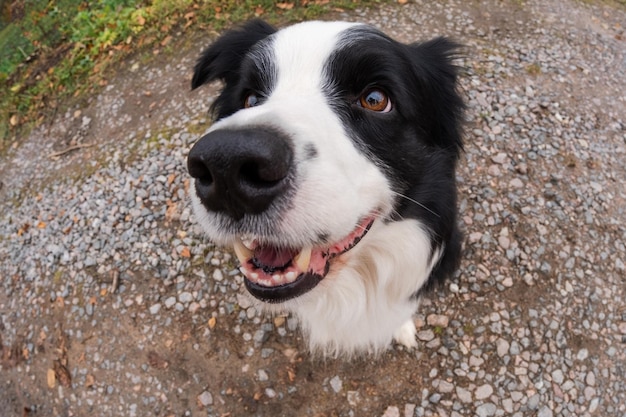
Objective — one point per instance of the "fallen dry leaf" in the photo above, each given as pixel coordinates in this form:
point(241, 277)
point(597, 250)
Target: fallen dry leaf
point(285, 6)
point(62, 374)
point(156, 361)
point(167, 40)
point(51, 377)
point(212, 322)
point(90, 380)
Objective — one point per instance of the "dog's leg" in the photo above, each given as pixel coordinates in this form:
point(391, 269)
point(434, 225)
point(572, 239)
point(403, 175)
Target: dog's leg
point(405, 334)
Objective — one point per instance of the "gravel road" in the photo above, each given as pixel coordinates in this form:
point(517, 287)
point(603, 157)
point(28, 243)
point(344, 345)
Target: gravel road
point(113, 304)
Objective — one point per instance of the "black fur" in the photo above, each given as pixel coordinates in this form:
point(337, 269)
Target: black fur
point(419, 142)
point(227, 60)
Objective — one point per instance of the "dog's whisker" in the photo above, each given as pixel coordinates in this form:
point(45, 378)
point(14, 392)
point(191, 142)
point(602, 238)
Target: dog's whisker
point(417, 203)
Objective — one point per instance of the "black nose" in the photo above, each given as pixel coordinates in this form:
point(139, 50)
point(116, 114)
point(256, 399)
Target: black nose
point(240, 171)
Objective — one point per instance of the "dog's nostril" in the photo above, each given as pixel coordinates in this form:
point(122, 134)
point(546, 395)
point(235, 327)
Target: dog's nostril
point(198, 170)
point(259, 175)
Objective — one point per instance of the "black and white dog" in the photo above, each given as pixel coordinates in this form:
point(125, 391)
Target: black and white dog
point(331, 172)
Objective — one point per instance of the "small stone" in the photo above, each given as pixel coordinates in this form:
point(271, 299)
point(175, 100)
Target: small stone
point(336, 383)
point(260, 336)
point(437, 320)
point(516, 183)
point(582, 354)
point(205, 399)
point(486, 410)
point(464, 395)
point(475, 237)
point(185, 297)
point(589, 393)
point(445, 386)
point(243, 301)
point(426, 335)
point(507, 282)
point(435, 398)
point(493, 170)
point(544, 412)
point(475, 361)
point(533, 402)
point(155, 308)
point(263, 376)
point(392, 411)
point(590, 379)
point(557, 376)
point(170, 301)
point(499, 158)
point(353, 398)
point(270, 393)
point(484, 391)
point(218, 275)
point(502, 347)
point(409, 410)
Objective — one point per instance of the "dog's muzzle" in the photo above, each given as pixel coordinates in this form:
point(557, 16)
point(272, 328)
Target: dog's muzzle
point(240, 171)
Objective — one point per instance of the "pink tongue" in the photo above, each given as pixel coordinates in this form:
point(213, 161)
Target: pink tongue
point(274, 257)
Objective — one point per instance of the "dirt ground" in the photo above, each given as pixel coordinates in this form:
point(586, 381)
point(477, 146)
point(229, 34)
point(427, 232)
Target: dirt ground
point(100, 349)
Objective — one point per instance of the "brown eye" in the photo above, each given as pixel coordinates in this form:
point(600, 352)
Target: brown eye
point(375, 100)
point(251, 101)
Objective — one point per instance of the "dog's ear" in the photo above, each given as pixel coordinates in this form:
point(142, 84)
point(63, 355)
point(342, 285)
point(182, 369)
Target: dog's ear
point(433, 65)
point(222, 59)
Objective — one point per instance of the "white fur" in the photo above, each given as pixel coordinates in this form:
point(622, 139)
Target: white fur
point(364, 301)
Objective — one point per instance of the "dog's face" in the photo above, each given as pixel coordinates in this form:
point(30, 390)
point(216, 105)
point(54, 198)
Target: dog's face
point(323, 130)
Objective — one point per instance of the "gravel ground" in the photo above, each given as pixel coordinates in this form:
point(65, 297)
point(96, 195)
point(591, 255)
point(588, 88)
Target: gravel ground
point(113, 304)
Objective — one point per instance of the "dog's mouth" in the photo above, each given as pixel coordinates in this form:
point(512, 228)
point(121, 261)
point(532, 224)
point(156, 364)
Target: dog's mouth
point(275, 274)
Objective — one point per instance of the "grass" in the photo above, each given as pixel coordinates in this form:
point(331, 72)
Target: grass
point(51, 51)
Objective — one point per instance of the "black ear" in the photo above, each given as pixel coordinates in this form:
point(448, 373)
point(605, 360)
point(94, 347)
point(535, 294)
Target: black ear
point(433, 64)
point(222, 59)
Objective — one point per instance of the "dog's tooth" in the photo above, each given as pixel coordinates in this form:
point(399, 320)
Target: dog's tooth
point(254, 276)
point(303, 259)
point(291, 276)
point(242, 252)
point(278, 279)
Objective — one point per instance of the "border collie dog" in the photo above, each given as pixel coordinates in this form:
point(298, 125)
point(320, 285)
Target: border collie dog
point(330, 170)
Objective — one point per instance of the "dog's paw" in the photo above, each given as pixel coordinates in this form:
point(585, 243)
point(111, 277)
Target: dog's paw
point(406, 335)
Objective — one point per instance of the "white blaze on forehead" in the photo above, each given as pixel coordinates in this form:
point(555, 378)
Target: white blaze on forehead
point(301, 52)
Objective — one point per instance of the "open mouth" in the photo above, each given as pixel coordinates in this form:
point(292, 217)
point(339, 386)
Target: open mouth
point(274, 274)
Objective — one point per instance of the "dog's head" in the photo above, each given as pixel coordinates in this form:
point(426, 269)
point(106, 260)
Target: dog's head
point(323, 129)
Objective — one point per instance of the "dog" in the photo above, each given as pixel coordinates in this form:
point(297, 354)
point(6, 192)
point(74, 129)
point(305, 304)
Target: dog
point(330, 170)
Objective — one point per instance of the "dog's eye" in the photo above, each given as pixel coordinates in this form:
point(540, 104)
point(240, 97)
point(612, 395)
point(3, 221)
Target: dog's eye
point(251, 100)
point(375, 100)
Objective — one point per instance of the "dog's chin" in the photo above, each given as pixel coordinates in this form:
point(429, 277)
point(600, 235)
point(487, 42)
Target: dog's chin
point(281, 293)
point(275, 274)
